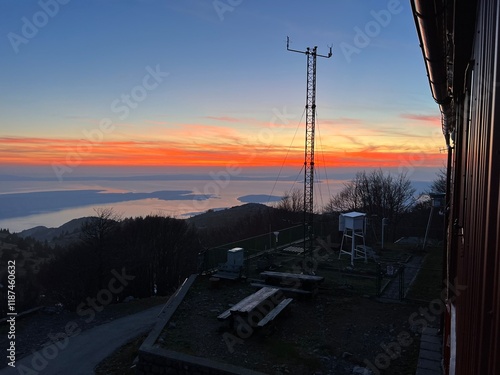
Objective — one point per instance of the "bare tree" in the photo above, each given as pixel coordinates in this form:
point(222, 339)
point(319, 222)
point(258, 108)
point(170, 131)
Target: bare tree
point(293, 201)
point(96, 233)
point(379, 194)
point(439, 184)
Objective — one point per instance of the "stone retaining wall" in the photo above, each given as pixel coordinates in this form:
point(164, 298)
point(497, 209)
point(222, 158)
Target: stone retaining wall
point(156, 360)
point(161, 361)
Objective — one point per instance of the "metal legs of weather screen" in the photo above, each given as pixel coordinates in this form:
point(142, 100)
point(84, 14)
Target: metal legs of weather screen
point(395, 288)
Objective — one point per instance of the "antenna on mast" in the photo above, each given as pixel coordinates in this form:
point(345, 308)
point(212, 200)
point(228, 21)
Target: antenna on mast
point(311, 55)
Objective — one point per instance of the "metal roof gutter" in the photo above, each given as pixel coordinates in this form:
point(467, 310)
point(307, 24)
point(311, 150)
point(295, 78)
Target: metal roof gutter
point(429, 16)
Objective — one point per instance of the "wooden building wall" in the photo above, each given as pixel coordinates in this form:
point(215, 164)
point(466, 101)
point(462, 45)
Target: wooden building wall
point(473, 260)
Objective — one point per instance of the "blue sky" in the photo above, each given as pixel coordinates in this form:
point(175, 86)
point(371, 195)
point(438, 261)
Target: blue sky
point(224, 75)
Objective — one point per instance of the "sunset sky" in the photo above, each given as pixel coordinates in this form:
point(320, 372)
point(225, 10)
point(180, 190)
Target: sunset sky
point(197, 83)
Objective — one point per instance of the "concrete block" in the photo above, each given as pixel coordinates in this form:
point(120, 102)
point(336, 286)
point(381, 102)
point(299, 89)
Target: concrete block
point(430, 331)
point(432, 339)
point(428, 364)
point(430, 346)
point(431, 355)
point(424, 371)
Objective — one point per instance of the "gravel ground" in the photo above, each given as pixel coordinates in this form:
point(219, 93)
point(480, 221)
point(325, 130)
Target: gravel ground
point(334, 333)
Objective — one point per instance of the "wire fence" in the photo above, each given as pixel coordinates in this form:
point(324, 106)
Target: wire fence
point(387, 280)
point(400, 273)
point(261, 244)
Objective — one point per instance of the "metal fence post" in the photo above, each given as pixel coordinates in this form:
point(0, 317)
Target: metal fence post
point(401, 282)
point(378, 280)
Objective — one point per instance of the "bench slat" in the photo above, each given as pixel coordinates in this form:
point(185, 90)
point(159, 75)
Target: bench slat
point(274, 312)
point(227, 275)
point(226, 314)
point(250, 302)
point(284, 289)
point(287, 275)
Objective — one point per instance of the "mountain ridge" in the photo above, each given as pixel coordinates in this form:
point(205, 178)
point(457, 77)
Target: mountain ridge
point(71, 230)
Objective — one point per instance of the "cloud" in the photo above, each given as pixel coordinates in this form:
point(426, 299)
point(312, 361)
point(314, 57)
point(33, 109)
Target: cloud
point(419, 117)
point(155, 122)
point(224, 118)
point(340, 121)
point(222, 147)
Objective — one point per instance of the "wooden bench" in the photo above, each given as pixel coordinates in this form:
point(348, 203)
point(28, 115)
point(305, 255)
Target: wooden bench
point(275, 312)
point(297, 280)
point(266, 303)
point(230, 272)
point(226, 314)
point(227, 275)
point(284, 289)
point(288, 275)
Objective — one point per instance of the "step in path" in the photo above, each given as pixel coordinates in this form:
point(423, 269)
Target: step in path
point(430, 357)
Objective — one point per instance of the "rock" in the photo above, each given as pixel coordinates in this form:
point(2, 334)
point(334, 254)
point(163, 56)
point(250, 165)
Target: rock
point(346, 354)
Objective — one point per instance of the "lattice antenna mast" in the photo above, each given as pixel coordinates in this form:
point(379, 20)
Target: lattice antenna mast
point(311, 55)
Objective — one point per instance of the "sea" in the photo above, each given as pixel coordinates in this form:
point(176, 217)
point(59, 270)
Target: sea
point(30, 202)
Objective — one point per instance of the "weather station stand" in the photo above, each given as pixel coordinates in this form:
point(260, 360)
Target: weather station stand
point(352, 225)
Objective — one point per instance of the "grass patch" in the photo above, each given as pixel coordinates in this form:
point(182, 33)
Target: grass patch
point(289, 351)
point(283, 349)
point(429, 281)
point(122, 360)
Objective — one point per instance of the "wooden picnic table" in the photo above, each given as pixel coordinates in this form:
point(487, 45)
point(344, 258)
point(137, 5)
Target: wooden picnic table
point(297, 280)
point(251, 302)
point(288, 275)
point(266, 303)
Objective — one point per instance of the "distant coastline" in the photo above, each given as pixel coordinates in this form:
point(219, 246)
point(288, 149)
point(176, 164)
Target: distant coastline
point(27, 202)
point(32, 203)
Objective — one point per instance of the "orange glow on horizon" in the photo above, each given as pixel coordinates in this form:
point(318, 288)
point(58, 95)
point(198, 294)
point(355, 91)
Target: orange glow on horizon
point(73, 153)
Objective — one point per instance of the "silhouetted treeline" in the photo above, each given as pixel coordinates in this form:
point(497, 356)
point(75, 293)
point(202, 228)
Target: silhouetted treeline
point(155, 253)
point(257, 222)
point(25, 254)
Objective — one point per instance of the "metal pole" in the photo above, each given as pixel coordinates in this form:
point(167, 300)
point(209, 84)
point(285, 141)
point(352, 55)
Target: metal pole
point(401, 282)
point(353, 247)
point(309, 145)
point(383, 234)
point(384, 223)
point(428, 226)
